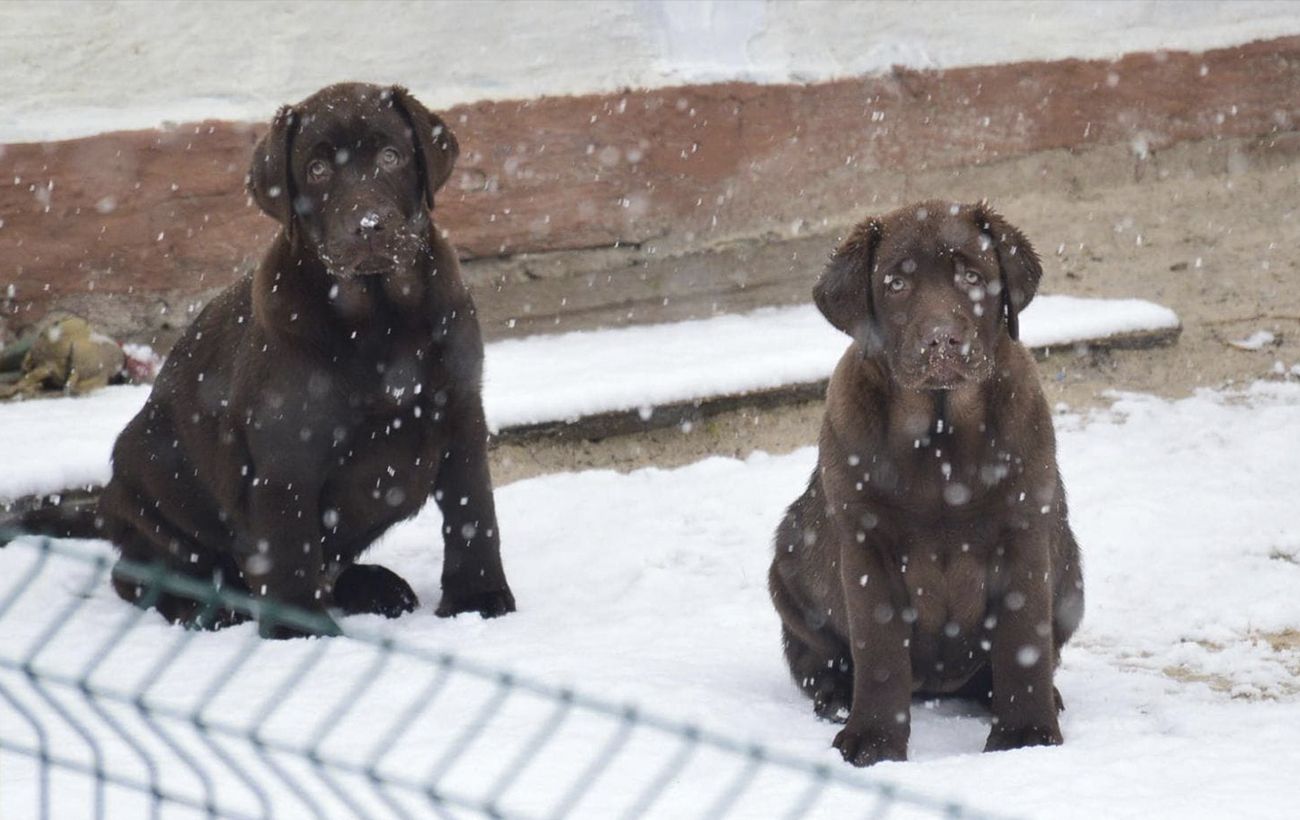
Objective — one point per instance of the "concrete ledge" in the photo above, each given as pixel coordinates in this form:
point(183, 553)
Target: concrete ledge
point(685, 414)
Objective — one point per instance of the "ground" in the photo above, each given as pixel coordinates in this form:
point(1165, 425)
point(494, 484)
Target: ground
point(1182, 687)
point(647, 585)
point(1202, 229)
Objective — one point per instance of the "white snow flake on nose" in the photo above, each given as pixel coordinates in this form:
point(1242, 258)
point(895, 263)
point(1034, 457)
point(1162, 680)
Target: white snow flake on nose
point(370, 220)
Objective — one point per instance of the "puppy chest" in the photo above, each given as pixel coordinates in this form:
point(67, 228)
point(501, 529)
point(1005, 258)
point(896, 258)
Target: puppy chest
point(938, 479)
point(948, 601)
point(400, 377)
point(945, 596)
point(382, 472)
point(389, 448)
point(381, 434)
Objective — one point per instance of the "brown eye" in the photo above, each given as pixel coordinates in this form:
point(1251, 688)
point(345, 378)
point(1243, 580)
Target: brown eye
point(972, 278)
point(318, 169)
point(390, 157)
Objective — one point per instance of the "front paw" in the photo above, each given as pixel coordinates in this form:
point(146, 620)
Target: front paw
point(488, 604)
point(1018, 737)
point(322, 626)
point(867, 747)
point(372, 589)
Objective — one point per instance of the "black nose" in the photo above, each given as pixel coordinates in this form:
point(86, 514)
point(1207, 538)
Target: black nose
point(945, 336)
point(371, 222)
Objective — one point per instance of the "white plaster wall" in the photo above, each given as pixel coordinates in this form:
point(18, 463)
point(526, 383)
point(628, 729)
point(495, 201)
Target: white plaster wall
point(76, 68)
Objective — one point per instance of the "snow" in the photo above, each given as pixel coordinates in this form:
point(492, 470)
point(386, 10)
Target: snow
point(649, 587)
point(1255, 341)
point(567, 376)
point(120, 66)
point(55, 444)
point(1058, 321)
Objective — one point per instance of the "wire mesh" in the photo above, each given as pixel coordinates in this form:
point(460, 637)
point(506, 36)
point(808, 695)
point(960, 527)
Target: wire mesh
point(107, 711)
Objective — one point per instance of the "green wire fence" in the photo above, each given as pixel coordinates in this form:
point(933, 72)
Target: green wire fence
point(106, 711)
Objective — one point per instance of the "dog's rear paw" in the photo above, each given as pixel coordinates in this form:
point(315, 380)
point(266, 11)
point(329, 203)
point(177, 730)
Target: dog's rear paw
point(488, 604)
point(1000, 739)
point(833, 705)
point(278, 631)
point(868, 747)
point(373, 590)
point(220, 618)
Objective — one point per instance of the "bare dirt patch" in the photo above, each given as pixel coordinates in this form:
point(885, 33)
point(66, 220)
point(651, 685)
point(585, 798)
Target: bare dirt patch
point(1283, 650)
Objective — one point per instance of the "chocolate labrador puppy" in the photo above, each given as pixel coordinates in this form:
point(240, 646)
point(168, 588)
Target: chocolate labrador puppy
point(931, 552)
point(321, 400)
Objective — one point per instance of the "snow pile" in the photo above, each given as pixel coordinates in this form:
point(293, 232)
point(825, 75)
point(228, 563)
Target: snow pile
point(651, 587)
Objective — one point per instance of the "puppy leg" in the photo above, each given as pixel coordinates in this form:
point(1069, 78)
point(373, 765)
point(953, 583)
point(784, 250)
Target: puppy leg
point(819, 661)
point(827, 678)
point(373, 590)
point(138, 591)
point(200, 564)
point(1023, 655)
point(880, 721)
point(145, 538)
point(1068, 599)
point(473, 579)
point(281, 557)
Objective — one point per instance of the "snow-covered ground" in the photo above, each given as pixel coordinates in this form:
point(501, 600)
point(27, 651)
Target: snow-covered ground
point(1182, 698)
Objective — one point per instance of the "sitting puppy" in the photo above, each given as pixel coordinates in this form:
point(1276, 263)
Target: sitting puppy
point(321, 400)
point(931, 552)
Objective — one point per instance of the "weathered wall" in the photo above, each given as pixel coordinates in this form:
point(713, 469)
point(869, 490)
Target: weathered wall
point(625, 205)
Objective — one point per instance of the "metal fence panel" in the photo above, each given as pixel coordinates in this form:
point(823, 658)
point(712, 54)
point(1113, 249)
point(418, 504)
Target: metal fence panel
point(121, 715)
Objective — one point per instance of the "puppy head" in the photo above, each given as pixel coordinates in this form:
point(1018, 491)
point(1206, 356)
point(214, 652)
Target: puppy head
point(352, 171)
point(928, 288)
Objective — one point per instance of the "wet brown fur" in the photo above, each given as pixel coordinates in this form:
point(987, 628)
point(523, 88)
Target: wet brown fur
point(931, 552)
point(317, 402)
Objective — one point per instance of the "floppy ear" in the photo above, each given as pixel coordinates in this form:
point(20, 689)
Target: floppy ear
point(1017, 261)
point(436, 148)
point(269, 180)
point(843, 293)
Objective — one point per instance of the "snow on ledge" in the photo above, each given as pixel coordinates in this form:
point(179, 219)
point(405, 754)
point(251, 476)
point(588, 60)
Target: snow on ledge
point(1051, 321)
point(66, 442)
point(565, 377)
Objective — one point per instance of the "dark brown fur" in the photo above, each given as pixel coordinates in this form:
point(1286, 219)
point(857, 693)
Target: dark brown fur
point(321, 400)
point(931, 552)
